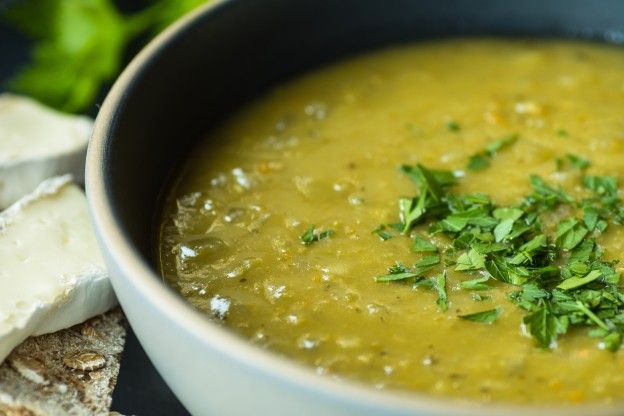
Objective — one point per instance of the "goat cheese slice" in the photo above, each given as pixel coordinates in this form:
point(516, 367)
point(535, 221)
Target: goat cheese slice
point(52, 275)
point(37, 143)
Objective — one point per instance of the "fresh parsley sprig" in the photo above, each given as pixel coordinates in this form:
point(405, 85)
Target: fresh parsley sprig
point(78, 46)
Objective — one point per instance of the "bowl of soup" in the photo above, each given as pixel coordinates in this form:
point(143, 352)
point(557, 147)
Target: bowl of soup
point(365, 207)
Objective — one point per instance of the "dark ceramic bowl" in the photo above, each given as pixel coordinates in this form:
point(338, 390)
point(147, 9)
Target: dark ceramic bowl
point(195, 74)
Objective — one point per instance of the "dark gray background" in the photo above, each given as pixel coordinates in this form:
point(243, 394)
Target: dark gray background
point(140, 389)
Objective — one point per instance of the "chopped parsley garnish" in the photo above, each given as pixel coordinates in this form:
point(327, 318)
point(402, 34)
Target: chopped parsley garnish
point(605, 186)
point(575, 281)
point(402, 272)
point(572, 161)
point(432, 185)
point(545, 326)
point(312, 235)
point(440, 287)
point(426, 263)
point(478, 161)
point(476, 284)
point(481, 160)
point(562, 133)
point(545, 195)
point(559, 277)
point(477, 297)
point(570, 233)
point(453, 126)
point(397, 272)
point(422, 245)
point(484, 317)
point(470, 260)
point(578, 162)
point(382, 232)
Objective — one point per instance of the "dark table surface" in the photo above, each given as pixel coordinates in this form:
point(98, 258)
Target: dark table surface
point(140, 390)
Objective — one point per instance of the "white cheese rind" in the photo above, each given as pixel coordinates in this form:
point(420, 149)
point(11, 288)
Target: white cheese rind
point(36, 143)
point(52, 273)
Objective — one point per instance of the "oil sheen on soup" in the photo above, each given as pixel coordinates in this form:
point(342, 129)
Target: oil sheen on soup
point(441, 217)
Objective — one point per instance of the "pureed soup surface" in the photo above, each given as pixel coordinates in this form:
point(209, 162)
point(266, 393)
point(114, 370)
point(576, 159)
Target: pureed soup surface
point(325, 150)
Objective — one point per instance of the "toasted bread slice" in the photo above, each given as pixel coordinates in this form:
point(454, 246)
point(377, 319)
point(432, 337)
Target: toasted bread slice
point(69, 372)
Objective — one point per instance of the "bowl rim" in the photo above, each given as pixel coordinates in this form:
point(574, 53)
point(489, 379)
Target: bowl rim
point(137, 271)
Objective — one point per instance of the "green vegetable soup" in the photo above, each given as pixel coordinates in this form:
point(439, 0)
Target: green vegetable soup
point(442, 217)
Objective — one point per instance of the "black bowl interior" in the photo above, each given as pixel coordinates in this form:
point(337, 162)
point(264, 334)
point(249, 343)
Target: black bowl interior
point(240, 48)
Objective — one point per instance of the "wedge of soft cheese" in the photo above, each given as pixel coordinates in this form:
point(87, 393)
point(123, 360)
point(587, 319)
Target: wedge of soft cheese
point(37, 143)
point(51, 273)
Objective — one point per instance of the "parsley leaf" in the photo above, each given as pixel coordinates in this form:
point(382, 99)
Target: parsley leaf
point(401, 272)
point(590, 217)
point(570, 233)
point(578, 162)
point(423, 245)
point(432, 186)
point(453, 126)
point(312, 235)
point(500, 269)
point(440, 287)
point(530, 296)
point(528, 250)
point(545, 326)
point(562, 133)
point(476, 215)
point(431, 182)
point(602, 185)
point(397, 272)
point(507, 218)
point(476, 284)
point(481, 160)
point(485, 317)
point(492, 148)
point(477, 162)
point(477, 297)
point(80, 48)
point(574, 282)
point(472, 260)
point(426, 263)
point(546, 194)
point(612, 341)
point(382, 233)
